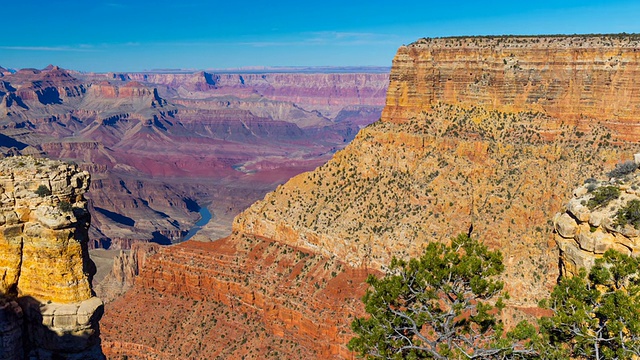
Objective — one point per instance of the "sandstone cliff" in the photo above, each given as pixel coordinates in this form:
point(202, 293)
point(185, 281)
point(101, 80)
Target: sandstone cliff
point(487, 135)
point(44, 262)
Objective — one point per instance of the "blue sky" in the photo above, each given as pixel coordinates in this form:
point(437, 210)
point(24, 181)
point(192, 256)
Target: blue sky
point(130, 35)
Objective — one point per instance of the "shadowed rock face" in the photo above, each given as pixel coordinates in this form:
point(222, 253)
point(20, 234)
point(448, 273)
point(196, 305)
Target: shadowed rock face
point(44, 261)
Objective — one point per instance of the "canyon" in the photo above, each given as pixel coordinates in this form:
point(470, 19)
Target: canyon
point(160, 146)
point(488, 136)
point(481, 135)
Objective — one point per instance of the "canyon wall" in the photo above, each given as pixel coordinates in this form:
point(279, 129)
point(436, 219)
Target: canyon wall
point(45, 269)
point(311, 91)
point(569, 78)
point(486, 136)
point(237, 297)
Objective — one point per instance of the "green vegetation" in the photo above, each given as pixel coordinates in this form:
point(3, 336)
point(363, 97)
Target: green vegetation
point(445, 305)
point(630, 214)
point(65, 206)
point(595, 317)
point(602, 196)
point(42, 191)
point(441, 306)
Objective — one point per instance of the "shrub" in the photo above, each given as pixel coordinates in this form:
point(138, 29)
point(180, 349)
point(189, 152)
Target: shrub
point(595, 315)
point(623, 169)
point(65, 206)
point(43, 191)
point(602, 196)
point(630, 214)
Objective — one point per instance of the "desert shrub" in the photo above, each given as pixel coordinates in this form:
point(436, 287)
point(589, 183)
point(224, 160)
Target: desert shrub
point(623, 169)
point(602, 196)
point(43, 191)
point(630, 214)
point(65, 206)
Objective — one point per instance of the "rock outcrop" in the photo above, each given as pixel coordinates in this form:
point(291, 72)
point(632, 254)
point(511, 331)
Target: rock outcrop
point(595, 220)
point(126, 267)
point(44, 261)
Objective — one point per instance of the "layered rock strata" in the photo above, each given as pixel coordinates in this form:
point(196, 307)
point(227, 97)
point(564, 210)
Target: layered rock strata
point(480, 135)
point(44, 262)
point(127, 265)
point(566, 77)
point(241, 296)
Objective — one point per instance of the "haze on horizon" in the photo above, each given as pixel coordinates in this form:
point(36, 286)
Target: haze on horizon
point(114, 35)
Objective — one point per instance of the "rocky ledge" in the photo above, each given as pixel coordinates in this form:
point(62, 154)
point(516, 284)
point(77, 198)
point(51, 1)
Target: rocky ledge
point(602, 215)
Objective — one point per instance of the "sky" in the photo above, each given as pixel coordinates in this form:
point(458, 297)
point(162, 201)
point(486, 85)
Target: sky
point(130, 35)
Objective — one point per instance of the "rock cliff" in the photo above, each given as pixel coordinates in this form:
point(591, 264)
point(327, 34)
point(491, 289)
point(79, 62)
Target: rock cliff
point(44, 262)
point(566, 77)
point(327, 93)
point(450, 155)
point(127, 265)
point(480, 135)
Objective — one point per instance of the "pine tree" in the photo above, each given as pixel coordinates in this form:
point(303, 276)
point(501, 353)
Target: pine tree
point(443, 305)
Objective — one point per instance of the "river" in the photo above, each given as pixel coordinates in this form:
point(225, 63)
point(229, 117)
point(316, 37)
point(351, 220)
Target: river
point(205, 217)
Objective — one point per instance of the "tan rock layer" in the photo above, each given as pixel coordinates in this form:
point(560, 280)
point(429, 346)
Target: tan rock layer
point(42, 241)
point(44, 261)
point(583, 234)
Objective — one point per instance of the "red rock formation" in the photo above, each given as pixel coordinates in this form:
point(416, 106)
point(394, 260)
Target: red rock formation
point(249, 297)
point(126, 267)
